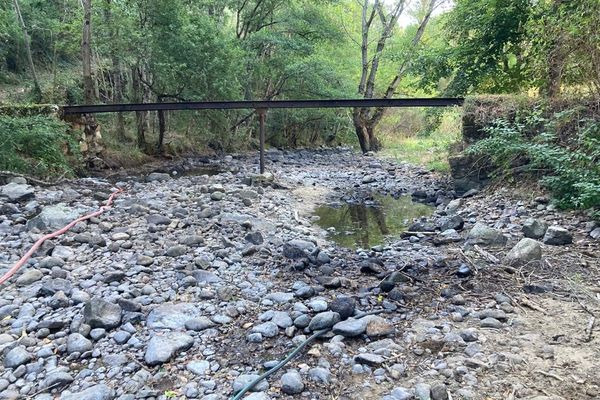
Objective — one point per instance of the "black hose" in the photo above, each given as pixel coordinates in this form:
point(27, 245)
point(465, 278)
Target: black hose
point(282, 363)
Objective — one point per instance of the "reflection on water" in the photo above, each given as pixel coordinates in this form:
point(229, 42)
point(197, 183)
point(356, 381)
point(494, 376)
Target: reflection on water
point(368, 224)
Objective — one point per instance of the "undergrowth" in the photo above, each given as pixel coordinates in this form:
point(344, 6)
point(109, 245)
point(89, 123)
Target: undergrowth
point(408, 139)
point(561, 149)
point(37, 145)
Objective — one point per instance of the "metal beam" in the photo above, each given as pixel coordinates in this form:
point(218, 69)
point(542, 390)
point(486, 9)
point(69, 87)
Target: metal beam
point(263, 104)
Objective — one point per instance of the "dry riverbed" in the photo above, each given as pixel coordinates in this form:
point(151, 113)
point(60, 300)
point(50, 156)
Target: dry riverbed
point(191, 286)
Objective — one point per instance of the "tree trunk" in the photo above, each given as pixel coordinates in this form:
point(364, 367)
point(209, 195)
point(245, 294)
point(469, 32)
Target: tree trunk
point(86, 53)
point(140, 116)
point(117, 95)
point(37, 91)
point(161, 128)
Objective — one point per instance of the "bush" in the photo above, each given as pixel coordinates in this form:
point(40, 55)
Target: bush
point(561, 148)
point(37, 145)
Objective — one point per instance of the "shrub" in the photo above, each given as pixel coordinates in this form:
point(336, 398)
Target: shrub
point(561, 148)
point(37, 145)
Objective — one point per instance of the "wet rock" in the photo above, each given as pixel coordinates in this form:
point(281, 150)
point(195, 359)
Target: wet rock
point(534, 228)
point(324, 320)
point(161, 348)
point(524, 252)
point(17, 356)
point(484, 235)
point(17, 192)
point(557, 236)
point(291, 383)
point(99, 313)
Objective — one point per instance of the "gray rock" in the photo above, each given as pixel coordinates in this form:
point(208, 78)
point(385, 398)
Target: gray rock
point(282, 319)
point(324, 320)
point(439, 391)
point(99, 313)
point(484, 235)
point(450, 222)
point(144, 260)
point(205, 277)
point(161, 348)
point(96, 392)
point(158, 177)
point(59, 378)
point(172, 316)
point(280, 297)
point(534, 228)
point(524, 252)
point(176, 251)
point(267, 329)
point(199, 324)
point(17, 356)
point(77, 343)
point(319, 374)
point(54, 217)
point(557, 236)
point(254, 238)
point(595, 234)
point(490, 322)
point(121, 337)
point(199, 367)
point(401, 393)
point(244, 380)
point(298, 248)
point(157, 219)
point(17, 192)
point(370, 359)
point(423, 391)
point(344, 306)
point(29, 276)
point(291, 383)
point(350, 327)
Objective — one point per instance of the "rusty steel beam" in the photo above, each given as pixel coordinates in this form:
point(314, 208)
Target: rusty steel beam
point(263, 104)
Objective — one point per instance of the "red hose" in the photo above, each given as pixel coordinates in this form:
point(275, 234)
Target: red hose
point(59, 232)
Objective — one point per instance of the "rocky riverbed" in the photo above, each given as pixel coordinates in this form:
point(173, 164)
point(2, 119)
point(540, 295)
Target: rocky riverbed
point(191, 287)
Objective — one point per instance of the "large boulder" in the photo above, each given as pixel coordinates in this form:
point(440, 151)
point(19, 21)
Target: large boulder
point(484, 235)
point(524, 252)
point(55, 217)
point(17, 192)
point(534, 228)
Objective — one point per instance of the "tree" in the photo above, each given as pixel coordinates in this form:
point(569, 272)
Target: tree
point(37, 91)
point(366, 119)
point(86, 53)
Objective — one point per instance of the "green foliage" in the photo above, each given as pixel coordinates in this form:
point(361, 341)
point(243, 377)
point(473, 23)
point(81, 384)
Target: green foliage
point(36, 145)
point(563, 150)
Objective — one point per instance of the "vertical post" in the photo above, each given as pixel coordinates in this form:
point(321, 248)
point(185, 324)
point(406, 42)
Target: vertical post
point(261, 120)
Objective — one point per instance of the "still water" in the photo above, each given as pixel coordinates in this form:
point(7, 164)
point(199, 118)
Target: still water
point(369, 223)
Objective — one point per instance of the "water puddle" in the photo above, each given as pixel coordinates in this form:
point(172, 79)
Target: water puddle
point(369, 223)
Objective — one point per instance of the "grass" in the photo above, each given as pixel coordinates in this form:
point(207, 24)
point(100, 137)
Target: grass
point(429, 149)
